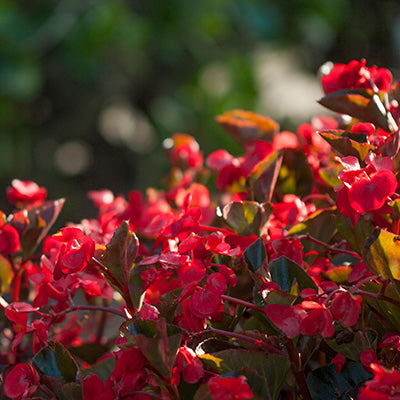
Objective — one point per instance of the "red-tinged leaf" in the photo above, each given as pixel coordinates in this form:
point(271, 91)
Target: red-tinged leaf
point(395, 91)
point(285, 318)
point(382, 254)
point(360, 104)
point(392, 145)
point(120, 253)
point(158, 342)
point(345, 146)
point(244, 126)
point(36, 224)
point(244, 217)
point(263, 178)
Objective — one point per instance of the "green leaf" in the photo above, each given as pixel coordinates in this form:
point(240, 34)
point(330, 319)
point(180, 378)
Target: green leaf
point(382, 253)
point(361, 104)
point(350, 344)
point(330, 175)
point(244, 217)
point(121, 253)
point(345, 146)
point(319, 225)
point(355, 235)
point(395, 206)
point(338, 275)
point(39, 221)
point(255, 255)
point(263, 178)
point(136, 285)
point(286, 273)
point(62, 390)
point(272, 367)
point(102, 368)
point(326, 384)
point(89, 352)
point(157, 341)
point(388, 313)
point(55, 360)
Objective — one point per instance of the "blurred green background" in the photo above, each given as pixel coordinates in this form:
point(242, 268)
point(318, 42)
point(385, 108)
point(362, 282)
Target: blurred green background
point(90, 88)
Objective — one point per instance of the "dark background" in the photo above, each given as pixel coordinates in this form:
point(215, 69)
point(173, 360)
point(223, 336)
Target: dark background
point(90, 88)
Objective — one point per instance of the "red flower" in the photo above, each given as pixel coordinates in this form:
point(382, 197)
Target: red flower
point(339, 360)
point(228, 388)
point(384, 386)
point(355, 75)
point(318, 319)
point(70, 250)
point(183, 151)
point(286, 318)
point(190, 366)
point(371, 194)
point(346, 308)
point(9, 240)
point(25, 192)
point(21, 382)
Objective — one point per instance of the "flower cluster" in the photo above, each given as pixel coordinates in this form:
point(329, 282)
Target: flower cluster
point(273, 273)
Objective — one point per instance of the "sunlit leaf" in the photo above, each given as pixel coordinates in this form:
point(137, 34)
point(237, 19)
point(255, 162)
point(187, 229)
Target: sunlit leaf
point(344, 146)
point(244, 126)
point(263, 179)
point(358, 103)
point(244, 217)
point(6, 274)
point(382, 253)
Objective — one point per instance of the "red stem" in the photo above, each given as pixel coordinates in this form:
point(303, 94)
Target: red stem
point(93, 308)
point(330, 248)
point(242, 302)
point(257, 342)
point(295, 361)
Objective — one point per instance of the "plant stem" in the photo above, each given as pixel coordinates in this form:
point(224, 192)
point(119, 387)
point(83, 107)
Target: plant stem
point(379, 296)
point(295, 361)
point(94, 308)
point(327, 246)
point(242, 302)
point(239, 336)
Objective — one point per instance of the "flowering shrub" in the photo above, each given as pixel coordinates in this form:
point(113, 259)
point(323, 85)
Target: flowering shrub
point(281, 283)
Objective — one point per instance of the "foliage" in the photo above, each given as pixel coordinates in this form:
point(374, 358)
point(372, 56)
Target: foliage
point(270, 275)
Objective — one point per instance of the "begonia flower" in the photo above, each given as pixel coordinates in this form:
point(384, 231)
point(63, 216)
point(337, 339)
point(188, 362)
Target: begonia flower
point(25, 192)
point(229, 388)
point(21, 382)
